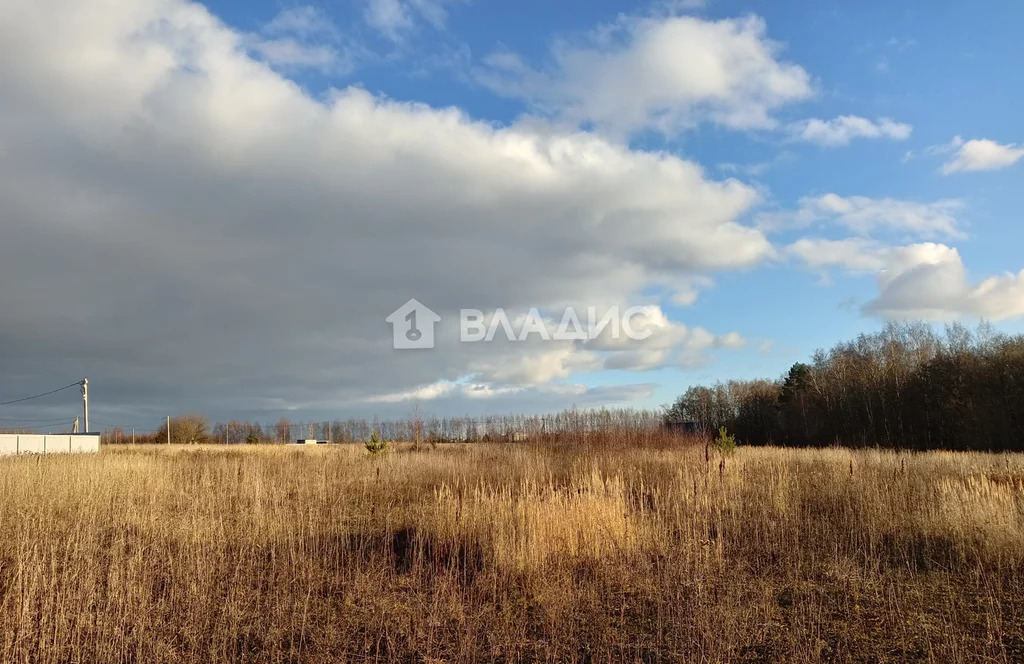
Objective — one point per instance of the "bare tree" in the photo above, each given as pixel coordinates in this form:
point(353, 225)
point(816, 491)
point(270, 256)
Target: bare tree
point(191, 429)
point(283, 429)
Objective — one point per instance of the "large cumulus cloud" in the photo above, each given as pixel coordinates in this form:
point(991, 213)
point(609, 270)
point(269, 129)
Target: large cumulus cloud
point(191, 229)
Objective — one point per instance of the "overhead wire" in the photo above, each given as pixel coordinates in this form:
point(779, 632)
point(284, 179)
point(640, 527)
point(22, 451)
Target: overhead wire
point(120, 426)
point(44, 394)
point(45, 426)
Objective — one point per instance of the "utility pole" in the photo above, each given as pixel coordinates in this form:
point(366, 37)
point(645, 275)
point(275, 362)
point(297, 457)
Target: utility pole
point(330, 438)
point(85, 402)
point(133, 435)
point(168, 429)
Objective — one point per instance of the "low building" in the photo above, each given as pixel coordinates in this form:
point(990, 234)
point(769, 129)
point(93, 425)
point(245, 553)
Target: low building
point(64, 443)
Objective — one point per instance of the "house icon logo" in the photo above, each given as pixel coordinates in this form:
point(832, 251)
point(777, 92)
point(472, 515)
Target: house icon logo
point(412, 325)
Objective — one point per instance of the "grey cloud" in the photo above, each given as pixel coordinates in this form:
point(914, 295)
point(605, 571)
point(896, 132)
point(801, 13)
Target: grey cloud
point(192, 231)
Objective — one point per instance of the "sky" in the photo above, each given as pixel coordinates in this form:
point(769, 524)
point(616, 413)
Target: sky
point(215, 207)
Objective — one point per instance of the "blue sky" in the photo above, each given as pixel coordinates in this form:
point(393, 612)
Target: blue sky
point(772, 178)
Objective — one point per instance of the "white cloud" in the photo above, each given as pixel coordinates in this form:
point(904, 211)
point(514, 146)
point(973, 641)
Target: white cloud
point(929, 281)
point(843, 129)
point(534, 363)
point(542, 365)
point(667, 342)
point(674, 7)
point(304, 21)
point(920, 281)
point(287, 53)
point(429, 392)
point(731, 340)
point(981, 155)
point(758, 169)
point(665, 74)
point(434, 12)
point(685, 291)
point(391, 17)
point(446, 395)
point(637, 360)
point(300, 37)
point(866, 216)
point(853, 254)
point(171, 171)
point(395, 19)
point(923, 280)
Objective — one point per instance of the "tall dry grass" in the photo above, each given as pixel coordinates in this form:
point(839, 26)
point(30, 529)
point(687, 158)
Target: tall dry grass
point(511, 553)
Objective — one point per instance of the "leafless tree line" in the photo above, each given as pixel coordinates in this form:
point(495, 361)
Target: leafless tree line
point(626, 424)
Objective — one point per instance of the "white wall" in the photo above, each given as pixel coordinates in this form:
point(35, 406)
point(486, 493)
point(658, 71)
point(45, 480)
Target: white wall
point(85, 443)
point(31, 444)
point(20, 443)
point(58, 444)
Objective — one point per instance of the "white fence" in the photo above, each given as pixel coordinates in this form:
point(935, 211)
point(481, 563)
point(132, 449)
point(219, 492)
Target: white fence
point(20, 443)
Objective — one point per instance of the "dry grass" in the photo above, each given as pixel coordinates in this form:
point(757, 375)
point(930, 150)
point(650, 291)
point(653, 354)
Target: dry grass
point(511, 553)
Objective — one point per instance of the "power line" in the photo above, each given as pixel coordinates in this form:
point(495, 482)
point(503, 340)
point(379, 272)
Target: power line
point(45, 426)
point(120, 426)
point(48, 419)
point(44, 394)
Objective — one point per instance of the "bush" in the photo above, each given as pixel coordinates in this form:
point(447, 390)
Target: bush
point(376, 444)
point(725, 443)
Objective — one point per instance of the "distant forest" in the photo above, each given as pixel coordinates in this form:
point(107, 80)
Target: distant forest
point(906, 387)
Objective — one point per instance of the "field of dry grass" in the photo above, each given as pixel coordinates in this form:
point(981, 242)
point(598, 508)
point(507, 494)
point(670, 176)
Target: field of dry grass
point(511, 553)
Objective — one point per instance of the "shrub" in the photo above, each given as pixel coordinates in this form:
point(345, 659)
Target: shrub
point(725, 443)
point(376, 444)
